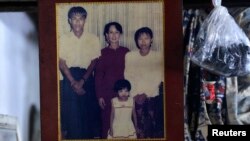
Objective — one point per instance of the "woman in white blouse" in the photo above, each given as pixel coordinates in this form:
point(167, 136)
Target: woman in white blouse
point(145, 70)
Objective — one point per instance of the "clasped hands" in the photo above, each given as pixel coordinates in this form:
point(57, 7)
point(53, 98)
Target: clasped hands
point(77, 86)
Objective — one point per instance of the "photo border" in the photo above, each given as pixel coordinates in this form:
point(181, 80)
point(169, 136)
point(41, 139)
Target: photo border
point(173, 86)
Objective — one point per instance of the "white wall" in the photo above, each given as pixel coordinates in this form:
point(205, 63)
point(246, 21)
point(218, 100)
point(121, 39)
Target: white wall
point(19, 69)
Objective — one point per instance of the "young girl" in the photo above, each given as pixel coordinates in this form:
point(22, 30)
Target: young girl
point(121, 124)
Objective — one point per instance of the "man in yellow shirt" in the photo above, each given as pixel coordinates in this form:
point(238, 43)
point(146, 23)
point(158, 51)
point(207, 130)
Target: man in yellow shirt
point(78, 53)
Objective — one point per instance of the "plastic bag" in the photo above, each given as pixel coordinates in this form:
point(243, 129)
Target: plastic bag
point(221, 46)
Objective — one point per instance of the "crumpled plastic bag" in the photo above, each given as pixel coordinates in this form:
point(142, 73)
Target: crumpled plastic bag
point(221, 46)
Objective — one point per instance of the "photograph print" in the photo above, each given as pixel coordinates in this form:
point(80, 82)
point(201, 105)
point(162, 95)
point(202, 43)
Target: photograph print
point(110, 61)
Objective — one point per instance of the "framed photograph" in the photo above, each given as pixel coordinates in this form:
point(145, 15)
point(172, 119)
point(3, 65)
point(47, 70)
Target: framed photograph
point(106, 73)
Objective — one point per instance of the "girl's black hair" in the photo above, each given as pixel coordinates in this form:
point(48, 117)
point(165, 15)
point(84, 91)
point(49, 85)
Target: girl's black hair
point(121, 84)
point(77, 10)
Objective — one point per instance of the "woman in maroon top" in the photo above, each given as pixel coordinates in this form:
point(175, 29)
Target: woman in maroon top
point(109, 69)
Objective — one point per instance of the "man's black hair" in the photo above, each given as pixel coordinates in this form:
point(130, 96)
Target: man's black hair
point(77, 10)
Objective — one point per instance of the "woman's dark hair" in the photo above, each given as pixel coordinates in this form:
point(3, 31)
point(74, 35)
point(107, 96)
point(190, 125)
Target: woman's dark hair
point(140, 31)
point(108, 25)
point(121, 84)
point(77, 10)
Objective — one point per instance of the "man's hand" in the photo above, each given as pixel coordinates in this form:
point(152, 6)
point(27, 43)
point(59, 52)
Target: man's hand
point(78, 87)
point(78, 84)
point(80, 91)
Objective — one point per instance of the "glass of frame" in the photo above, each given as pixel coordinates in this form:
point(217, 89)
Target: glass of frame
point(75, 103)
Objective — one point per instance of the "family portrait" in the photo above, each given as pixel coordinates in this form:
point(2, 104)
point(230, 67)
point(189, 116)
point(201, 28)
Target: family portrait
point(110, 60)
